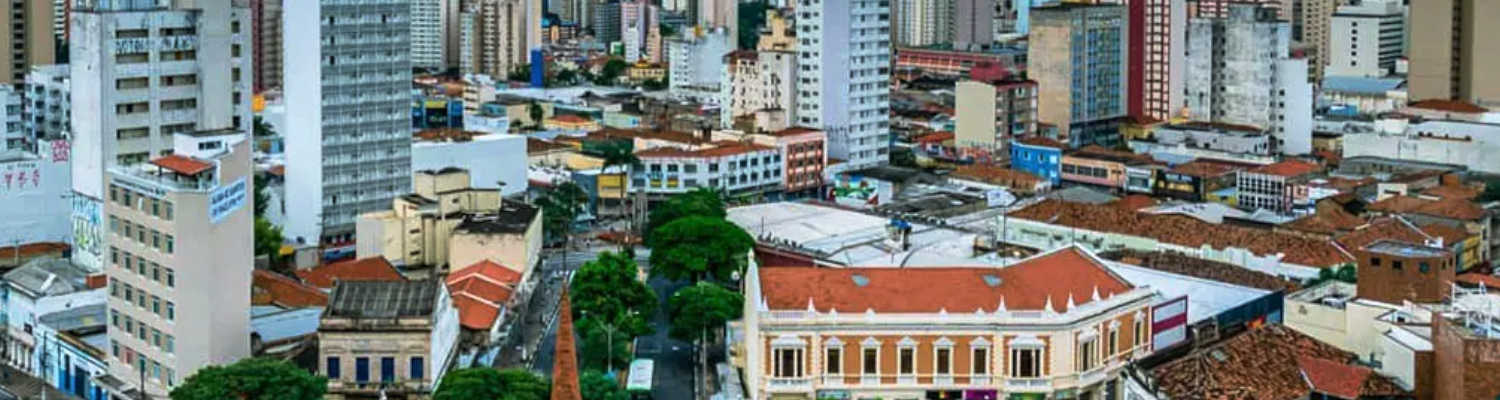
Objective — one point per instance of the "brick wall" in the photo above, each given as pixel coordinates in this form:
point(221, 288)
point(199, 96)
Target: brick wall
point(1465, 365)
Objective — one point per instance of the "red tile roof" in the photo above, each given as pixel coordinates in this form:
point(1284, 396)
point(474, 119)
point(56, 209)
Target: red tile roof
point(1382, 229)
point(1453, 191)
point(565, 354)
point(270, 288)
point(1450, 234)
point(29, 250)
point(535, 146)
point(364, 269)
point(1261, 364)
point(934, 137)
point(1134, 202)
point(796, 130)
point(479, 291)
point(1204, 169)
point(1028, 285)
point(1041, 141)
point(1457, 106)
point(182, 164)
point(1288, 168)
point(997, 175)
point(1451, 208)
point(1479, 279)
point(1329, 218)
point(1186, 231)
point(1333, 378)
point(721, 149)
point(571, 118)
point(278, 170)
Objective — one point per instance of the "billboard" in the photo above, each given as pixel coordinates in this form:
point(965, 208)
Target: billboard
point(224, 200)
point(1169, 323)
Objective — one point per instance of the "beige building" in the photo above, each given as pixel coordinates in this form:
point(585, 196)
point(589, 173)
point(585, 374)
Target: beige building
point(975, 115)
point(265, 15)
point(778, 34)
point(512, 238)
point(504, 33)
point(420, 226)
point(386, 340)
point(31, 40)
point(179, 261)
point(1396, 338)
point(1317, 21)
point(1058, 323)
point(1451, 52)
point(761, 81)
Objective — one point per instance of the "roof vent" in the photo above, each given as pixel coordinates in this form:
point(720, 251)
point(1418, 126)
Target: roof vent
point(991, 280)
point(860, 280)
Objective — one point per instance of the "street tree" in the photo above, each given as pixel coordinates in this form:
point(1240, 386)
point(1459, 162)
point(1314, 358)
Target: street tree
point(699, 310)
point(268, 239)
point(597, 386)
point(560, 208)
point(613, 69)
point(489, 383)
point(535, 111)
point(605, 347)
point(252, 379)
point(1491, 191)
point(700, 202)
point(261, 199)
point(606, 290)
point(699, 248)
point(259, 127)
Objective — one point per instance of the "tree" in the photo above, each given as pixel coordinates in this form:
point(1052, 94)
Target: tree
point(699, 248)
point(903, 157)
point(252, 379)
point(752, 16)
point(606, 290)
point(700, 202)
point(536, 113)
point(654, 85)
point(597, 386)
point(1491, 191)
point(261, 199)
point(521, 73)
point(490, 383)
point(259, 127)
point(667, 30)
point(1345, 274)
point(566, 76)
point(696, 310)
point(268, 239)
point(605, 347)
point(560, 208)
point(612, 71)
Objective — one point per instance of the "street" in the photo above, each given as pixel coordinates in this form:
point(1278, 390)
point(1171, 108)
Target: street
point(674, 358)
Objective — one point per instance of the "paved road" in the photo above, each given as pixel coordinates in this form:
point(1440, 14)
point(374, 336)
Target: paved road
point(674, 358)
point(538, 333)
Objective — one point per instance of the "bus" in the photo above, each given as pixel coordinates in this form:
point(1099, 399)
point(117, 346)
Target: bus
point(639, 383)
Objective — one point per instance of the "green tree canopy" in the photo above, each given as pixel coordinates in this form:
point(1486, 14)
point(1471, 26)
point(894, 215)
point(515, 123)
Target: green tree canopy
point(267, 239)
point(560, 208)
point(698, 248)
point(606, 290)
point(654, 85)
point(612, 71)
point(752, 16)
point(1491, 191)
point(597, 386)
point(252, 379)
point(490, 383)
point(259, 127)
point(536, 112)
point(700, 202)
point(261, 199)
point(702, 307)
point(595, 353)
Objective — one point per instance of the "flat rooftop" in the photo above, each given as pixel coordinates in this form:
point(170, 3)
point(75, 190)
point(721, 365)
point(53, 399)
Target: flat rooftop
point(853, 238)
point(1404, 249)
point(1206, 298)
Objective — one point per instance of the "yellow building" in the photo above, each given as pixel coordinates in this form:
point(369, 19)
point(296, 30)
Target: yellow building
point(420, 227)
point(641, 72)
point(570, 122)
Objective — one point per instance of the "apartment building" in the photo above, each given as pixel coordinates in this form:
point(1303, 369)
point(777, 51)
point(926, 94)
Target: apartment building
point(417, 229)
point(1367, 39)
point(13, 130)
point(992, 113)
point(387, 339)
point(1451, 56)
point(1240, 71)
point(1078, 55)
point(503, 35)
point(736, 168)
point(719, 14)
point(1158, 57)
point(48, 103)
point(973, 24)
point(348, 99)
point(266, 35)
point(32, 37)
point(844, 77)
point(920, 23)
point(805, 156)
point(954, 332)
point(640, 31)
point(760, 81)
point(179, 261)
point(428, 38)
point(779, 32)
point(141, 74)
point(1281, 187)
point(695, 64)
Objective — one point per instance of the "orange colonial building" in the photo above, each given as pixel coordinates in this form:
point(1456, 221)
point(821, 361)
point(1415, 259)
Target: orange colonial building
point(1057, 324)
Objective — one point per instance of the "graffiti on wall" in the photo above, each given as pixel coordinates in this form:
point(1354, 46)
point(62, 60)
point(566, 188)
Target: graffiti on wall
point(87, 214)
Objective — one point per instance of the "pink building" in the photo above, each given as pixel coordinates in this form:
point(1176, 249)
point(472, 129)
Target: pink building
point(804, 156)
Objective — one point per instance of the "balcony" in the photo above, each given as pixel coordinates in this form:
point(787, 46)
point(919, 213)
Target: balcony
point(977, 380)
point(1091, 377)
point(796, 384)
point(942, 380)
point(1028, 384)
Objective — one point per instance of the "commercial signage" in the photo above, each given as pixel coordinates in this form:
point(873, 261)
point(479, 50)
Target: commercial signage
point(224, 200)
point(146, 44)
point(1169, 323)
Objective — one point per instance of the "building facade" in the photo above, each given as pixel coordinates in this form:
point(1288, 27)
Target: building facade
point(1367, 39)
point(428, 37)
point(1078, 56)
point(505, 32)
point(32, 37)
point(695, 64)
point(806, 336)
point(371, 346)
point(844, 78)
point(920, 23)
point(1239, 71)
point(266, 36)
point(973, 24)
point(734, 168)
point(759, 81)
point(1158, 56)
point(48, 102)
point(1040, 157)
point(1450, 55)
point(993, 113)
point(348, 114)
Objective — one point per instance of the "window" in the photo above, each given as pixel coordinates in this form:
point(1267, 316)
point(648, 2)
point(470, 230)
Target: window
point(788, 362)
point(832, 361)
point(905, 359)
point(1375, 261)
point(1424, 267)
point(1396, 265)
point(171, 278)
point(387, 369)
point(871, 361)
point(1026, 362)
point(944, 357)
point(1112, 347)
point(416, 367)
point(362, 369)
point(171, 311)
point(1088, 355)
point(332, 369)
point(1140, 331)
point(981, 360)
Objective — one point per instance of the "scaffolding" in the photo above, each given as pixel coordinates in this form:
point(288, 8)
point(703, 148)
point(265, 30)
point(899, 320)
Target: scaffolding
point(1477, 309)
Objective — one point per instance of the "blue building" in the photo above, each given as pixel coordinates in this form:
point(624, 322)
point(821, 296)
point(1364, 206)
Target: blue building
point(71, 348)
point(1039, 156)
point(431, 113)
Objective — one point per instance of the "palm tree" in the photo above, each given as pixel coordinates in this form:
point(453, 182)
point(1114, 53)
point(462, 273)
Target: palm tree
point(620, 154)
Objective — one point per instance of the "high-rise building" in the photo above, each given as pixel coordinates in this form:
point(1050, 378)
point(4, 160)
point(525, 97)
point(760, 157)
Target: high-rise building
point(1220, 8)
point(1158, 50)
point(47, 110)
point(922, 22)
point(606, 22)
point(1078, 56)
point(348, 99)
point(1314, 18)
point(973, 23)
point(640, 31)
point(1239, 71)
point(504, 33)
point(844, 77)
point(760, 82)
point(1450, 51)
point(1367, 39)
point(695, 63)
point(141, 73)
point(720, 14)
point(13, 132)
point(265, 17)
point(428, 37)
point(32, 39)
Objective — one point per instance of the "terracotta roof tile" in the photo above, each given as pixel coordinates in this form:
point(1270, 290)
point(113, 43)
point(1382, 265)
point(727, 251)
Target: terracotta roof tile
point(278, 170)
point(29, 250)
point(796, 130)
point(997, 175)
point(1134, 202)
point(1457, 106)
point(364, 269)
point(1204, 169)
point(1382, 229)
point(270, 288)
point(1028, 285)
point(1288, 168)
point(1329, 218)
point(535, 146)
point(1453, 191)
point(1479, 279)
point(1333, 378)
point(934, 137)
point(1261, 364)
point(182, 164)
point(1042, 142)
point(571, 118)
point(1199, 268)
point(1451, 208)
point(479, 292)
point(1450, 234)
point(720, 150)
point(1186, 231)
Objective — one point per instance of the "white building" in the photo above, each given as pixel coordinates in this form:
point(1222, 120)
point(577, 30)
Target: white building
point(696, 64)
point(1240, 71)
point(34, 189)
point(142, 73)
point(348, 140)
point(922, 22)
point(844, 77)
point(42, 286)
point(734, 168)
point(760, 81)
point(1471, 144)
point(428, 32)
point(47, 112)
point(490, 159)
point(12, 121)
point(1366, 39)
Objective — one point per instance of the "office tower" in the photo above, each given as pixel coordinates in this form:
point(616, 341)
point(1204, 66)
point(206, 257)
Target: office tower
point(265, 17)
point(47, 112)
point(1452, 51)
point(141, 73)
point(640, 30)
point(1367, 39)
point(427, 33)
point(720, 14)
point(1158, 46)
point(181, 237)
point(348, 99)
point(845, 76)
point(973, 23)
point(1239, 71)
point(1314, 19)
point(606, 22)
point(1078, 57)
point(505, 32)
point(32, 40)
point(922, 22)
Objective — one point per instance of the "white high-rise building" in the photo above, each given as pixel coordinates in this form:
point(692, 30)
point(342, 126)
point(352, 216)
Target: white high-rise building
point(348, 99)
point(140, 73)
point(696, 64)
point(12, 121)
point(1239, 71)
point(1367, 38)
point(844, 75)
point(923, 22)
point(428, 35)
point(47, 111)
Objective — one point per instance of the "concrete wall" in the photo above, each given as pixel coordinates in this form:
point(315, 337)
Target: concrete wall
point(975, 115)
point(33, 197)
point(516, 251)
point(489, 159)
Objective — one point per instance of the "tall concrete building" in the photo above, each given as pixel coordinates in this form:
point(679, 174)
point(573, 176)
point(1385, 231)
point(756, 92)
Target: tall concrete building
point(1367, 39)
point(606, 22)
point(714, 14)
point(141, 73)
point(640, 31)
point(1078, 56)
point(348, 99)
point(1452, 51)
point(265, 18)
point(1158, 52)
point(32, 39)
point(695, 63)
point(504, 32)
point(973, 23)
point(181, 253)
point(922, 22)
point(760, 83)
point(47, 111)
point(1239, 71)
point(1314, 18)
point(428, 37)
point(844, 77)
